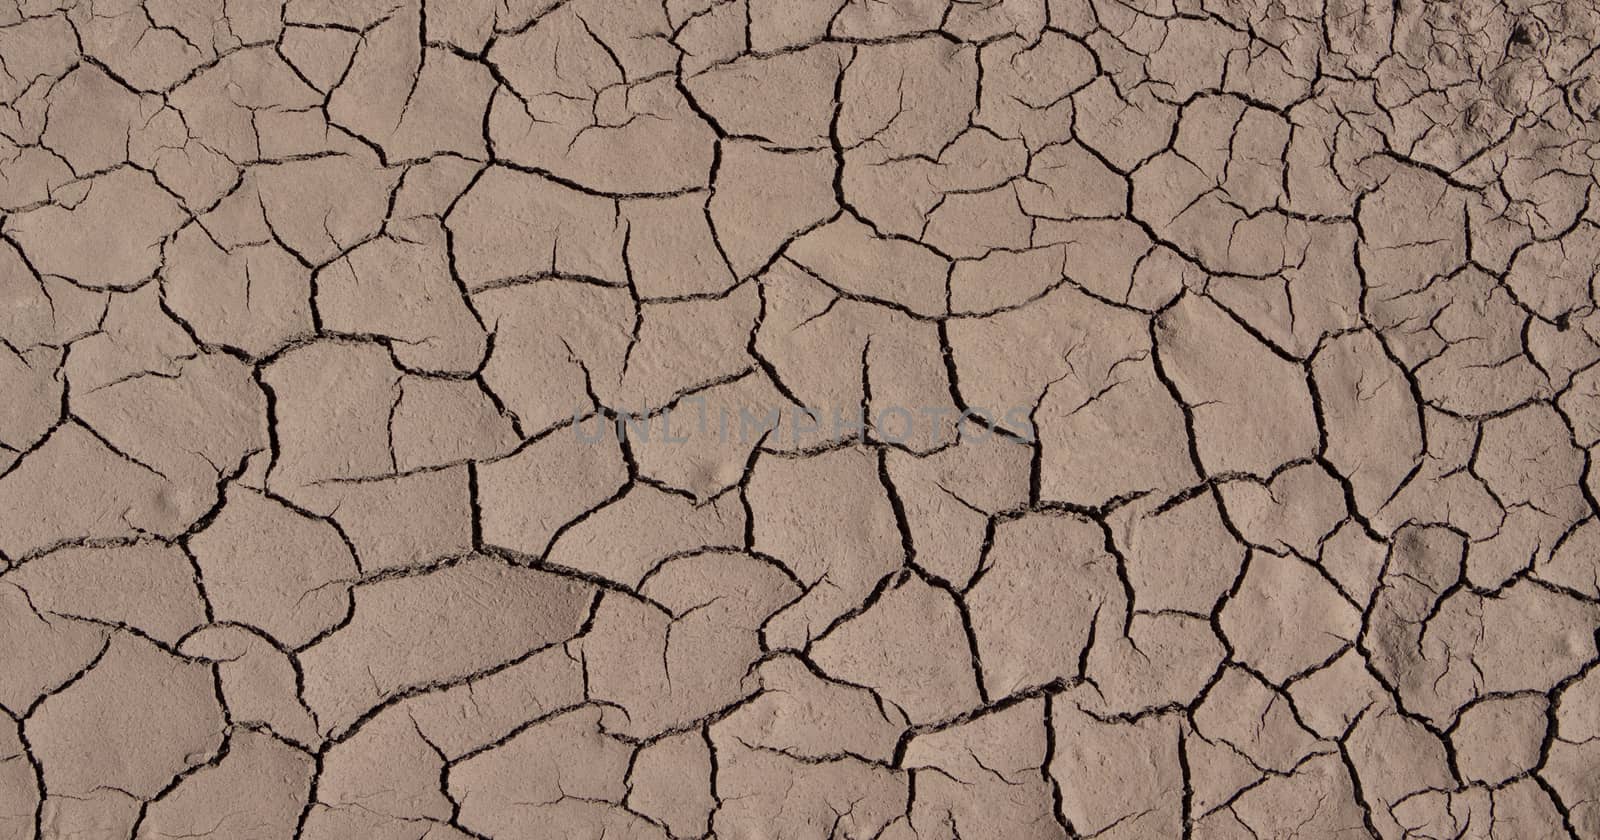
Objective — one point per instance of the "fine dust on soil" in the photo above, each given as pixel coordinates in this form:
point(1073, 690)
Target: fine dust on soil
point(1040, 419)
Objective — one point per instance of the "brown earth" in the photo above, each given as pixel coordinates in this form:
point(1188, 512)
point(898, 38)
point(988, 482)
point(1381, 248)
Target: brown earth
point(1084, 418)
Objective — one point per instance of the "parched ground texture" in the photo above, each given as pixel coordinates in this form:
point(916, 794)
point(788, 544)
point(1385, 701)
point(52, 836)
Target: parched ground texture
point(1083, 418)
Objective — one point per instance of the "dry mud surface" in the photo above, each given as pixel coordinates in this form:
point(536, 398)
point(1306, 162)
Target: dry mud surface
point(1083, 418)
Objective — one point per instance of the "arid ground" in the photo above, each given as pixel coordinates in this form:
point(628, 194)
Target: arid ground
point(799, 419)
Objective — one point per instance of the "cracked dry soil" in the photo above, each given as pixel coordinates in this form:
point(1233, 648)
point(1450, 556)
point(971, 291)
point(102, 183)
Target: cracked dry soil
point(1227, 373)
